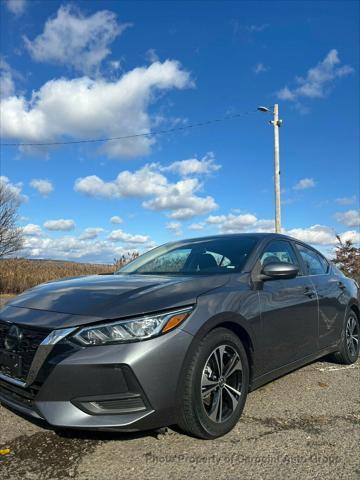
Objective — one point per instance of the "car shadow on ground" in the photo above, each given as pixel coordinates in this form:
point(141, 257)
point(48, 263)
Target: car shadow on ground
point(92, 435)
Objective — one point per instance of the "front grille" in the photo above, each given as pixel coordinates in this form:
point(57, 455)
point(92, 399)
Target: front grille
point(25, 348)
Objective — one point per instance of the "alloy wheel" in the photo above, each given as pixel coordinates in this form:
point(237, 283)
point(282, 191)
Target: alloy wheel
point(221, 383)
point(352, 335)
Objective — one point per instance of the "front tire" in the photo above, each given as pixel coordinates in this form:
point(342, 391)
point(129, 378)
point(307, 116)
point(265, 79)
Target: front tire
point(215, 385)
point(349, 346)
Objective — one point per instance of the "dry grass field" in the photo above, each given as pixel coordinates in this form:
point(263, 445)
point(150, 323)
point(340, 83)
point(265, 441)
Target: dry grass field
point(19, 274)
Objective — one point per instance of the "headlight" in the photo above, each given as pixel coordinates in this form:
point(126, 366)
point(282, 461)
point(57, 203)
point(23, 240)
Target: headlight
point(136, 329)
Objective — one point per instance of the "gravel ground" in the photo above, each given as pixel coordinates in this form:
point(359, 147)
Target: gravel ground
point(303, 425)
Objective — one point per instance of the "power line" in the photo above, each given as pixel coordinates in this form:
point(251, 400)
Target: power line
point(136, 135)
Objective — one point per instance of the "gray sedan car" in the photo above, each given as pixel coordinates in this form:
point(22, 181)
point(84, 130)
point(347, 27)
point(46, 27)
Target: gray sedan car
point(178, 336)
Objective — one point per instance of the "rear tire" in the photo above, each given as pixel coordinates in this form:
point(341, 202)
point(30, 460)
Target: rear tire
point(215, 385)
point(349, 346)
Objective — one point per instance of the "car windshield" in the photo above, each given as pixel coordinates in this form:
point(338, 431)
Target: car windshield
point(195, 257)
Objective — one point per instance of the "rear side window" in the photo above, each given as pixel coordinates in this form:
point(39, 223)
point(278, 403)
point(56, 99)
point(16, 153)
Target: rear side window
point(315, 264)
point(278, 251)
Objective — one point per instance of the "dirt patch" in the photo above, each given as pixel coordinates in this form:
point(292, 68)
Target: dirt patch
point(44, 455)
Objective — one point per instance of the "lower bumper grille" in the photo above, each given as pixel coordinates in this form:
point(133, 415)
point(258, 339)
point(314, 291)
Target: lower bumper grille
point(131, 404)
point(20, 396)
point(19, 345)
point(112, 404)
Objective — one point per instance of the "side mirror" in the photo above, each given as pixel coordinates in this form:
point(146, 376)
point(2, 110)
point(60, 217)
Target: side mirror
point(279, 270)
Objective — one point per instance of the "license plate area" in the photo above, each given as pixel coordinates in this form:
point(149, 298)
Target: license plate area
point(10, 364)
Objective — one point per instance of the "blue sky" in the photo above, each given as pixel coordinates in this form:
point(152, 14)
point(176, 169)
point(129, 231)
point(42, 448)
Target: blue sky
point(90, 70)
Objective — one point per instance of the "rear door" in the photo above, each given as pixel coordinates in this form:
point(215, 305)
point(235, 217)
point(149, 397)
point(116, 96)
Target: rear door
point(331, 295)
point(289, 311)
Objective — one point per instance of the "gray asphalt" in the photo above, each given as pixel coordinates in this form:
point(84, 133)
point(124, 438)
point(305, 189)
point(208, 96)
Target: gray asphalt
point(303, 425)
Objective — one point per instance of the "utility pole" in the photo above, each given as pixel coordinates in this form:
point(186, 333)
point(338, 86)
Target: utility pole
point(276, 123)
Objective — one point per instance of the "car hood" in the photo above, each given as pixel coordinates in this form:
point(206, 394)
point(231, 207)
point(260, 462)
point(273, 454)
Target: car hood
point(82, 300)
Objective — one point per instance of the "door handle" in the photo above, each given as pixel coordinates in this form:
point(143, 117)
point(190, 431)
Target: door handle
point(341, 285)
point(309, 292)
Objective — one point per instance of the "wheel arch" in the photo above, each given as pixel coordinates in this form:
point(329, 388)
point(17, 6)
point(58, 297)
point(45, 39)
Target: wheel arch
point(233, 322)
point(246, 340)
point(355, 308)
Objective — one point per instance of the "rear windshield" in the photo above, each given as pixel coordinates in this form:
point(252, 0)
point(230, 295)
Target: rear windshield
point(213, 256)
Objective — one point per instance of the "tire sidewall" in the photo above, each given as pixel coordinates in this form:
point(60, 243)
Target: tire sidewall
point(211, 341)
point(346, 352)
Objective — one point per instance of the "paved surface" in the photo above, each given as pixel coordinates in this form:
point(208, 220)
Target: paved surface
point(304, 425)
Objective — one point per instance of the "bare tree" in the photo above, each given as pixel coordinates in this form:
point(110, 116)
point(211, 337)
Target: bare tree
point(347, 258)
point(11, 238)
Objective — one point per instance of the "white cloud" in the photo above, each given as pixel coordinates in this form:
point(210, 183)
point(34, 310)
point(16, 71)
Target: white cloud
point(286, 94)
point(14, 188)
point(305, 183)
point(115, 65)
point(260, 68)
point(322, 235)
point(346, 200)
point(194, 166)
point(351, 235)
point(120, 236)
point(86, 247)
point(116, 220)
point(44, 187)
point(141, 183)
point(60, 224)
point(74, 248)
point(351, 218)
point(216, 219)
point(32, 230)
point(7, 84)
point(316, 235)
point(318, 80)
point(175, 228)
point(196, 226)
point(151, 55)
point(82, 108)
point(180, 198)
point(91, 233)
point(75, 40)
point(17, 7)
point(240, 223)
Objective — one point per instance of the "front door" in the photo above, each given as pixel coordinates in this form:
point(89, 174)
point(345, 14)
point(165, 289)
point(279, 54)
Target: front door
point(289, 312)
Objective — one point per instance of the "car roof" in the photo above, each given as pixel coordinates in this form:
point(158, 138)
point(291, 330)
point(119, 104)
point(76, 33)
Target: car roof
point(257, 235)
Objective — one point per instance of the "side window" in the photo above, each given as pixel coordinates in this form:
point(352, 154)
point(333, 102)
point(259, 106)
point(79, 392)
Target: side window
point(324, 263)
point(278, 251)
point(221, 260)
point(315, 264)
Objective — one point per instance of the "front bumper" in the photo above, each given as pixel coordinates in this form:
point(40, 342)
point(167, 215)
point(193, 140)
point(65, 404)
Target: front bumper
point(125, 387)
